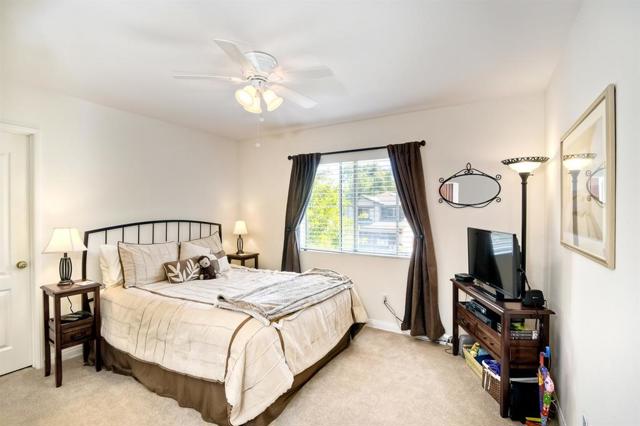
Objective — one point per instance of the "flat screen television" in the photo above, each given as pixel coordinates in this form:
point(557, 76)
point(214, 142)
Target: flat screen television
point(494, 262)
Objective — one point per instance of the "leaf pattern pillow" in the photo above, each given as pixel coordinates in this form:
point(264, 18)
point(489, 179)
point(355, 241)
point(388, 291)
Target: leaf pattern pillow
point(182, 271)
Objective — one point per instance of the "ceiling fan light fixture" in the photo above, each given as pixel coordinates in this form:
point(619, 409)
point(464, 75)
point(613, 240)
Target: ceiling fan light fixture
point(247, 96)
point(255, 107)
point(272, 100)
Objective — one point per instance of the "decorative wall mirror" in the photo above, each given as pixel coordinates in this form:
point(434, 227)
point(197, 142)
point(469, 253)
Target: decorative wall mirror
point(470, 188)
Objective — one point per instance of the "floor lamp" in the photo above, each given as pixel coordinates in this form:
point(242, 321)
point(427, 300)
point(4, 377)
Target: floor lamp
point(524, 166)
point(575, 163)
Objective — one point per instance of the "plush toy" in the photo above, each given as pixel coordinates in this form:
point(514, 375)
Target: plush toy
point(207, 270)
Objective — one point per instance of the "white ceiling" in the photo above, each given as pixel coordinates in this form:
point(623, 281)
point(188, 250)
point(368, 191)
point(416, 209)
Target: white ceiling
point(388, 56)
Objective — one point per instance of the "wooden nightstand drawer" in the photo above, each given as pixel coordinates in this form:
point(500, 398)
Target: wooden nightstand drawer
point(72, 333)
point(77, 335)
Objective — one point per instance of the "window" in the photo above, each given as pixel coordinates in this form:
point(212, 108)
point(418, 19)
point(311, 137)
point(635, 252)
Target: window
point(354, 208)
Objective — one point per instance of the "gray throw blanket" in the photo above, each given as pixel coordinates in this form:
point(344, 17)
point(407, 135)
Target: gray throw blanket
point(275, 300)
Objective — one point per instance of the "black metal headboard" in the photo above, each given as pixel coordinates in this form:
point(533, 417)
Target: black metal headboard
point(153, 231)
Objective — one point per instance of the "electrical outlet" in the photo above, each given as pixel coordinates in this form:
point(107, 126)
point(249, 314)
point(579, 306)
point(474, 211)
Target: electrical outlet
point(585, 422)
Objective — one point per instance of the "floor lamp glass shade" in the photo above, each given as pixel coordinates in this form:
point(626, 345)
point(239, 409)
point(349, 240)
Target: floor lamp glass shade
point(240, 229)
point(576, 162)
point(525, 164)
point(65, 240)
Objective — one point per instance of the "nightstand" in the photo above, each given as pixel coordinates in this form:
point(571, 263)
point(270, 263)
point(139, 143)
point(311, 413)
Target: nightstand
point(64, 334)
point(242, 257)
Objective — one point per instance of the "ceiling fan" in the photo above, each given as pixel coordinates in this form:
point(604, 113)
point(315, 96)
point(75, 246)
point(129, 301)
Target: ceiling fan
point(263, 77)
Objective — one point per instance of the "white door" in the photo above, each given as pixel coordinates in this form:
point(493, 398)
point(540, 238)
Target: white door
point(15, 305)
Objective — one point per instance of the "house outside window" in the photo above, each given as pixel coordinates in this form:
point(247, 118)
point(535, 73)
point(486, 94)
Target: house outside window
point(354, 208)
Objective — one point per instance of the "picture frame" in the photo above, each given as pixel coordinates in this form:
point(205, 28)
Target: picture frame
point(588, 182)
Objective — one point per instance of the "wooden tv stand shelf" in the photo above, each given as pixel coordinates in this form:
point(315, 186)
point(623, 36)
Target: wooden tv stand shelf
point(512, 354)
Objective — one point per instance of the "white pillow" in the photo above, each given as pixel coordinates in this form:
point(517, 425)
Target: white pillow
point(144, 263)
point(110, 265)
point(222, 264)
point(189, 250)
point(212, 242)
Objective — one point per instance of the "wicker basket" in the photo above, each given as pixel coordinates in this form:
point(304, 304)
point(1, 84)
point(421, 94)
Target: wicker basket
point(491, 383)
point(471, 361)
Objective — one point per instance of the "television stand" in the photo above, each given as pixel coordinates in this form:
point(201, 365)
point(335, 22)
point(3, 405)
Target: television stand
point(512, 354)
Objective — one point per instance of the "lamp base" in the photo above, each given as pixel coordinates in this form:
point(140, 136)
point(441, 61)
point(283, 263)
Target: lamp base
point(65, 269)
point(240, 245)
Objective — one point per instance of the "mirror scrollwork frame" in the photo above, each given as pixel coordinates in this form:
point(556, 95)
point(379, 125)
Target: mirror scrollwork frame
point(591, 176)
point(469, 171)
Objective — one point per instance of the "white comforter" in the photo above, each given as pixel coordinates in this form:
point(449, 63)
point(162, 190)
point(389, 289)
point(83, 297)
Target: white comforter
point(197, 339)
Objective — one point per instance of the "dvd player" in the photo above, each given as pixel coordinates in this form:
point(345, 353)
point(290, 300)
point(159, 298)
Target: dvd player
point(473, 305)
point(482, 313)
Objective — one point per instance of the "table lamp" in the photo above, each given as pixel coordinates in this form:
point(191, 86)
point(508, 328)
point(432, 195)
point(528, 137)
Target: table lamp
point(65, 240)
point(240, 229)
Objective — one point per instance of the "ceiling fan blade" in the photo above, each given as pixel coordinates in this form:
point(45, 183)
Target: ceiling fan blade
point(233, 51)
point(293, 96)
point(319, 71)
point(208, 77)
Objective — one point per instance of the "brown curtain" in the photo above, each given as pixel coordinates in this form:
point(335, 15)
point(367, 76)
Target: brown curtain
point(421, 314)
point(303, 172)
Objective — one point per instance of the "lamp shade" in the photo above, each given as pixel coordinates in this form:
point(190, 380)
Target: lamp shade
point(64, 240)
point(524, 164)
point(240, 228)
point(576, 162)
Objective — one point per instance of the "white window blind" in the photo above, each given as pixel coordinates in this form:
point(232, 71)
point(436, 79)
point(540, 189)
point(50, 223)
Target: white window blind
point(355, 208)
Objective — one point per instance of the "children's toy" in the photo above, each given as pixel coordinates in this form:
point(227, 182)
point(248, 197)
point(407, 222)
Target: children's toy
point(207, 270)
point(546, 387)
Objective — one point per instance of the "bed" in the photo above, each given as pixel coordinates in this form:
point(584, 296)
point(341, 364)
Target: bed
point(235, 365)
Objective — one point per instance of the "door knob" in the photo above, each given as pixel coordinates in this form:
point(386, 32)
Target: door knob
point(22, 264)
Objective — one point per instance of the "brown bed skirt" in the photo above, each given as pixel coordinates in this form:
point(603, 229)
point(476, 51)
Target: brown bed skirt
point(208, 397)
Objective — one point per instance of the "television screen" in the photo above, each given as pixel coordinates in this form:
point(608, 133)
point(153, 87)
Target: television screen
point(494, 260)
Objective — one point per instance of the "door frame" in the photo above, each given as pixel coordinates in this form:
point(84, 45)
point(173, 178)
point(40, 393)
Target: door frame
point(33, 137)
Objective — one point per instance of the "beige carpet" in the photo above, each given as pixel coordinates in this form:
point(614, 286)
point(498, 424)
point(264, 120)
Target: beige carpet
point(381, 379)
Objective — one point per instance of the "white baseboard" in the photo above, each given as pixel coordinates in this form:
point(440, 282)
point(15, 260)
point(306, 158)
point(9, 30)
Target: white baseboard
point(561, 419)
point(72, 352)
point(395, 328)
point(384, 325)
point(68, 353)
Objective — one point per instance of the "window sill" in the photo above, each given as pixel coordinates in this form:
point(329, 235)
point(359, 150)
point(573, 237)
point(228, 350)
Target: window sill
point(357, 253)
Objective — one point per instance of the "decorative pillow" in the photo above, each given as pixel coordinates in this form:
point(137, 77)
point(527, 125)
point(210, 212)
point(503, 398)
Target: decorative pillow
point(182, 271)
point(110, 265)
point(212, 241)
point(189, 250)
point(143, 263)
point(221, 264)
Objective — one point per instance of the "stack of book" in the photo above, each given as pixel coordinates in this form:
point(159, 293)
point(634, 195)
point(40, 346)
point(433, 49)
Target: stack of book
point(524, 334)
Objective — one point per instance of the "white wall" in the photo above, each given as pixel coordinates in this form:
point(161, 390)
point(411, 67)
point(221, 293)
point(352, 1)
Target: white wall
point(482, 133)
point(594, 336)
point(99, 166)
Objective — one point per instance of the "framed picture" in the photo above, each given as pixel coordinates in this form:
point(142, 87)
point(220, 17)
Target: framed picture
point(588, 182)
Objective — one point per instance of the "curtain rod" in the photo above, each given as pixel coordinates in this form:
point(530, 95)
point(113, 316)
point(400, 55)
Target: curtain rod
point(346, 151)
